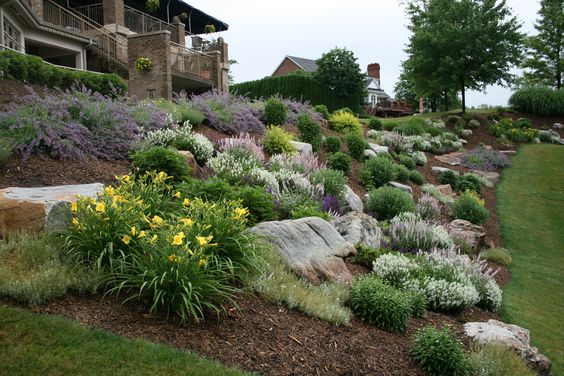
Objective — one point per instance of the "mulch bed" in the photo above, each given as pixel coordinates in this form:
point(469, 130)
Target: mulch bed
point(265, 337)
point(37, 171)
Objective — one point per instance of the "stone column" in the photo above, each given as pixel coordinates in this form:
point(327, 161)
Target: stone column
point(223, 79)
point(181, 30)
point(156, 83)
point(37, 7)
point(113, 12)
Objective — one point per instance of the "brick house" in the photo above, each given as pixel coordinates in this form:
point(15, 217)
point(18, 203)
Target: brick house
point(295, 64)
point(110, 35)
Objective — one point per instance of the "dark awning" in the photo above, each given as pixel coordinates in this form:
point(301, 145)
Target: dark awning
point(196, 20)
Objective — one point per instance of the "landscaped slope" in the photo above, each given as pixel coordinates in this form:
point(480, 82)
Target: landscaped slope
point(34, 345)
point(531, 209)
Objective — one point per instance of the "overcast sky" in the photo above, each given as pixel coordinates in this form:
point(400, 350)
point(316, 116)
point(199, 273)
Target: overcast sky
point(262, 32)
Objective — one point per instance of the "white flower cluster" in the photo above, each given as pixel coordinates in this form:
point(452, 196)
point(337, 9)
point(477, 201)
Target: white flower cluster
point(436, 123)
point(232, 168)
point(450, 281)
point(164, 137)
point(303, 163)
point(436, 144)
point(419, 157)
point(409, 232)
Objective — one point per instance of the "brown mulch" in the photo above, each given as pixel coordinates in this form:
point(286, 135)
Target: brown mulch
point(265, 337)
point(37, 171)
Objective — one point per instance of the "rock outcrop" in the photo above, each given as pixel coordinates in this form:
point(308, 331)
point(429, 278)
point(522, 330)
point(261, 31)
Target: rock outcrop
point(357, 227)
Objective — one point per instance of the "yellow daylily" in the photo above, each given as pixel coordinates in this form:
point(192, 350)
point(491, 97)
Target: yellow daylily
point(240, 213)
point(142, 234)
point(74, 206)
point(178, 238)
point(126, 178)
point(157, 221)
point(154, 239)
point(75, 222)
point(186, 202)
point(187, 222)
point(109, 190)
point(204, 240)
point(202, 262)
point(133, 231)
point(177, 194)
point(101, 207)
point(126, 239)
point(174, 258)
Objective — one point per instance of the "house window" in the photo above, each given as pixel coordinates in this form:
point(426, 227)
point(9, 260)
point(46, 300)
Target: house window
point(12, 36)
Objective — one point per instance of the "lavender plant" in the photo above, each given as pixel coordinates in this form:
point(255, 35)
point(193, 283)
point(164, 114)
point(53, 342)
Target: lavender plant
point(297, 108)
point(481, 158)
point(428, 207)
point(242, 143)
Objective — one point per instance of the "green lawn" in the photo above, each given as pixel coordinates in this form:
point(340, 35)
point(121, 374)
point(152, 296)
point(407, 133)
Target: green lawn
point(32, 344)
point(531, 209)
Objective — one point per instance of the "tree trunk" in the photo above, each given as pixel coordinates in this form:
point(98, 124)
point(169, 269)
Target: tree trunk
point(446, 100)
point(433, 105)
point(463, 98)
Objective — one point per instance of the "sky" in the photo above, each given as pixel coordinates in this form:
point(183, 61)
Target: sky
point(262, 32)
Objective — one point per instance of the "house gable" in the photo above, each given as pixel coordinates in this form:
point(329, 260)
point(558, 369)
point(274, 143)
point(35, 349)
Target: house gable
point(286, 66)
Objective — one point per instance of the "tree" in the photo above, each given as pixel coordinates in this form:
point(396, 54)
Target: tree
point(338, 69)
point(230, 77)
point(467, 44)
point(545, 51)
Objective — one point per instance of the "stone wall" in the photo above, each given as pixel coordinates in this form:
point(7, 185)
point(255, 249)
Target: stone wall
point(156, 83)
point(113, 12)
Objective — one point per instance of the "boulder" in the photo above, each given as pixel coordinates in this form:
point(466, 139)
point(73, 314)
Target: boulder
point(446, 189)
point(557, 126)
point(403, 187)
point(352, 202)
point(471, 234)
point(357, 227)
point(378, 148)
point(508, 152)
point(491, 176)
point(302, 147)
point(368, 153)
point(190, 160)
point(440, 170)
point(38, 209)
point(512, 336)
point(452, 159)
point(311, 247)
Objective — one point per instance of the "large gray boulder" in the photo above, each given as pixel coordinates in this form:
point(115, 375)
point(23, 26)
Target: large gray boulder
point(440, 170)
point(38, 209)
point(471, 234)
point(378, 148)
point(302, 147)
point(403, 187)
point(491, 176)
point(357, 227)
point(512, 336)
point(452, 159)
point(352, 202)
point(311, 247)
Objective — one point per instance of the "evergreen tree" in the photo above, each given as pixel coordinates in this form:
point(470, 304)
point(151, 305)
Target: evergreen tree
point(545, 51)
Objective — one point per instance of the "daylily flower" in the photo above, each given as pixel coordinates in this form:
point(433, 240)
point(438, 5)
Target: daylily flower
point(126, 239)
point(177, 240)
point(101, 207)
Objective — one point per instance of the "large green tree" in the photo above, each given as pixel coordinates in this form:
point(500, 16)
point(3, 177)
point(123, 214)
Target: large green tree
point(466, 44)
point(338, 69)
point(545, 51)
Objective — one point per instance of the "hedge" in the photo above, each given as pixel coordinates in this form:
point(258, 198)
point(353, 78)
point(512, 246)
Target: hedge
point(301, 87)
point(33, 70)
point(542, 101)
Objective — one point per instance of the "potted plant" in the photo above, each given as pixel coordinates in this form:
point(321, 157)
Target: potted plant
point(152, 5)
point(209, 28)
point(143, 64)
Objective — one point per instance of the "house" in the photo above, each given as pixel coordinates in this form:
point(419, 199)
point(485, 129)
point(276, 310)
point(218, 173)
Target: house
point(110, 35)
point(295, 64)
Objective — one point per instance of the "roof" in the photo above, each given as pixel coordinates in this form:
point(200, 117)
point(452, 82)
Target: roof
point(307, 65)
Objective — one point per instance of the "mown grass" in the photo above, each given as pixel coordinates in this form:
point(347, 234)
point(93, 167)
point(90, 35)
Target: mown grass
point(32, 344)
point(530, 204)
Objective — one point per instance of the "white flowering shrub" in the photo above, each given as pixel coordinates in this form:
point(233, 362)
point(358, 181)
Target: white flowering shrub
point(234, 168)
point(449, 280)
point(419, 157)
point(444, 143)
point(408, 232)
point(163, 137)
point(303, 163)
point(436, 123)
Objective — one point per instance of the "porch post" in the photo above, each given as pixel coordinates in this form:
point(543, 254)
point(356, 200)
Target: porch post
point(113, 12)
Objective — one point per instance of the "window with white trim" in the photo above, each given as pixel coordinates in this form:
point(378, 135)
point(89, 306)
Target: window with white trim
point(12, 36)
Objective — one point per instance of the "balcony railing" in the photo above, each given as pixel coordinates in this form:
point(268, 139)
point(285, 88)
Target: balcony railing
point(110, 44)
point(140, 22)
point(186, 60)
point(93, 12)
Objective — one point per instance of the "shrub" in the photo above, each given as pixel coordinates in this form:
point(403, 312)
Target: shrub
point(333, 144)
point(322, 109)
point(498, 360)
point(387, 202)
point(402, 173)
point(310, 132)
point(356, 145)
point(197, 144)
point(380, 304)
point(33, 272)
point(419, 157)
point(227, 113)
point(303, 211)
point(428, 207)
point(500, 256)
point(407, 161)
point(473, 124)
point(375, 123)
point(277, 141)
point(468, 183)
point(377, 171)
point(416, 177)
point(296, 108)
point(334, 182)
point(241, 168)
point(541, 101)
point(470, 209)
point(160, 159)
point(275, 112)
point(300, 163)
point(181, 111)
point(242, 145)
point(439, 352)
point(409, 233)
point(77, 125)
point(340, 162)
point(433, 191)
point(448, 177)
point(5, 150)
point(411, 128)
point(367, 255)
point(32, 69)
point(345, 122)
point(481, 158)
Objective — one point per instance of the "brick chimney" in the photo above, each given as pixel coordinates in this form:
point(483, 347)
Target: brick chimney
point(373, 71)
